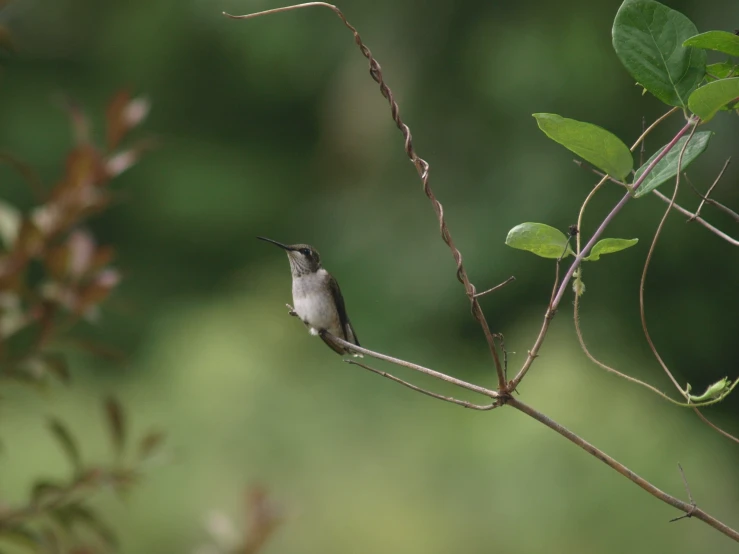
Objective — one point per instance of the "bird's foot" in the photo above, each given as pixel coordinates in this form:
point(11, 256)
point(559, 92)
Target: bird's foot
point(291, 311)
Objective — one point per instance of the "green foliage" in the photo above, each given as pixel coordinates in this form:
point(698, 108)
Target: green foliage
point(714, 392)
point(547, 242)
point(594, 144)
point(721, 41)
point(666, 168)
point(713, 96)
point(540, 239)
point(721, 70)
point(648, 38)
point(609, 246)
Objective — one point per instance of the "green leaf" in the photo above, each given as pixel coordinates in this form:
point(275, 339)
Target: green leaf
point(647, 38)
point(721, 70)
point(713, 392)
point(592, 143)
point(609, 246)
point(666, 168)
point(540, 239)
point(721, 41)
point(710, 98)
point(67, 442)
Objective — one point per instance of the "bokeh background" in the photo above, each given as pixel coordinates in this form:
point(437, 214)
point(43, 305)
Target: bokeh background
point(273, 127)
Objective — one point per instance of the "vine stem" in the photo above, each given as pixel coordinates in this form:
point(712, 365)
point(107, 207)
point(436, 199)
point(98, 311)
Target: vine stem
point(422, 168)
point(552, 309)
point(502, 396)
point(617, 208)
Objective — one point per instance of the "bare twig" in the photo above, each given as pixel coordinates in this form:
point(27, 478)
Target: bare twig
point(651, 128)
point(706, 199)
point(609, 369)
point(641, 295)
point(626, 472)
point(422, 167)
point(415, 367)
point(690, 496)
point(714, 426)
point(496, 287)
point(652, 248)
point(710, 189)
point(718, 232)
point(694, 217)
point(424, 391)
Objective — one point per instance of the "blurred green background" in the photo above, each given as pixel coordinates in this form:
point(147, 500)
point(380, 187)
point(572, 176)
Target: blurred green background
point(273, 127)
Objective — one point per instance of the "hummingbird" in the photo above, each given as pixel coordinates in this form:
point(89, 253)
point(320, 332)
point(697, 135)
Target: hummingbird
point(317, 297)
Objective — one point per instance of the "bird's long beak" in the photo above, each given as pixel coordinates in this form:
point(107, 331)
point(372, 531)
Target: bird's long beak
point(283, 246)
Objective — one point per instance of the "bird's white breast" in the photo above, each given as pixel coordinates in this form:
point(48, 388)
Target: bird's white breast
point(314, 302)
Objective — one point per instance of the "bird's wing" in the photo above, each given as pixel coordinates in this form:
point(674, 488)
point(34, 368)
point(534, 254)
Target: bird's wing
point(346, 325)
point(335, 347)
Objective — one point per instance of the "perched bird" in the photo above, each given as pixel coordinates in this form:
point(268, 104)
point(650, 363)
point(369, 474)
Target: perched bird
point(317, 298)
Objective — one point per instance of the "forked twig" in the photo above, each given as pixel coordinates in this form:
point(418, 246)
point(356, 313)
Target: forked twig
point(690, 496)
point(422, 167)
point(642, 313)
point(650, 253)
point(609, 369)
point(675, 206)
point(411, 386)
point(496, 287)
point(415, 367)
point(706, 199)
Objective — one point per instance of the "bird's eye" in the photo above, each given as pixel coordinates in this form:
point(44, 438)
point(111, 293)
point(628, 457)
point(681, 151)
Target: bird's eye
point(304, 252)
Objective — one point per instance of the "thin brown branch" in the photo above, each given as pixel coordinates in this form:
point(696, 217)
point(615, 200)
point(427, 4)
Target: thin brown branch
point(415, 367)
point(422, 168)
point(706, 199)
point(642, 313)
point(718, 232)
point(713, 186)
point(609, 369)
point(625, 471)
point(651, 128)
point(496, 287)
point(714, 426)
point(575, 266)
point(690, 496)
point(411, 386)
point(692, 217)
point(652, 247)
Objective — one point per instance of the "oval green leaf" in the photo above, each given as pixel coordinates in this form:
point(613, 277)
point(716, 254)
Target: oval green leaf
point(540, 239)
point(710, 98)
point(609, 246)
point(592, 143)
point(721, 41)
point(666, 168)
point(647, 38)
point(721, 70)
